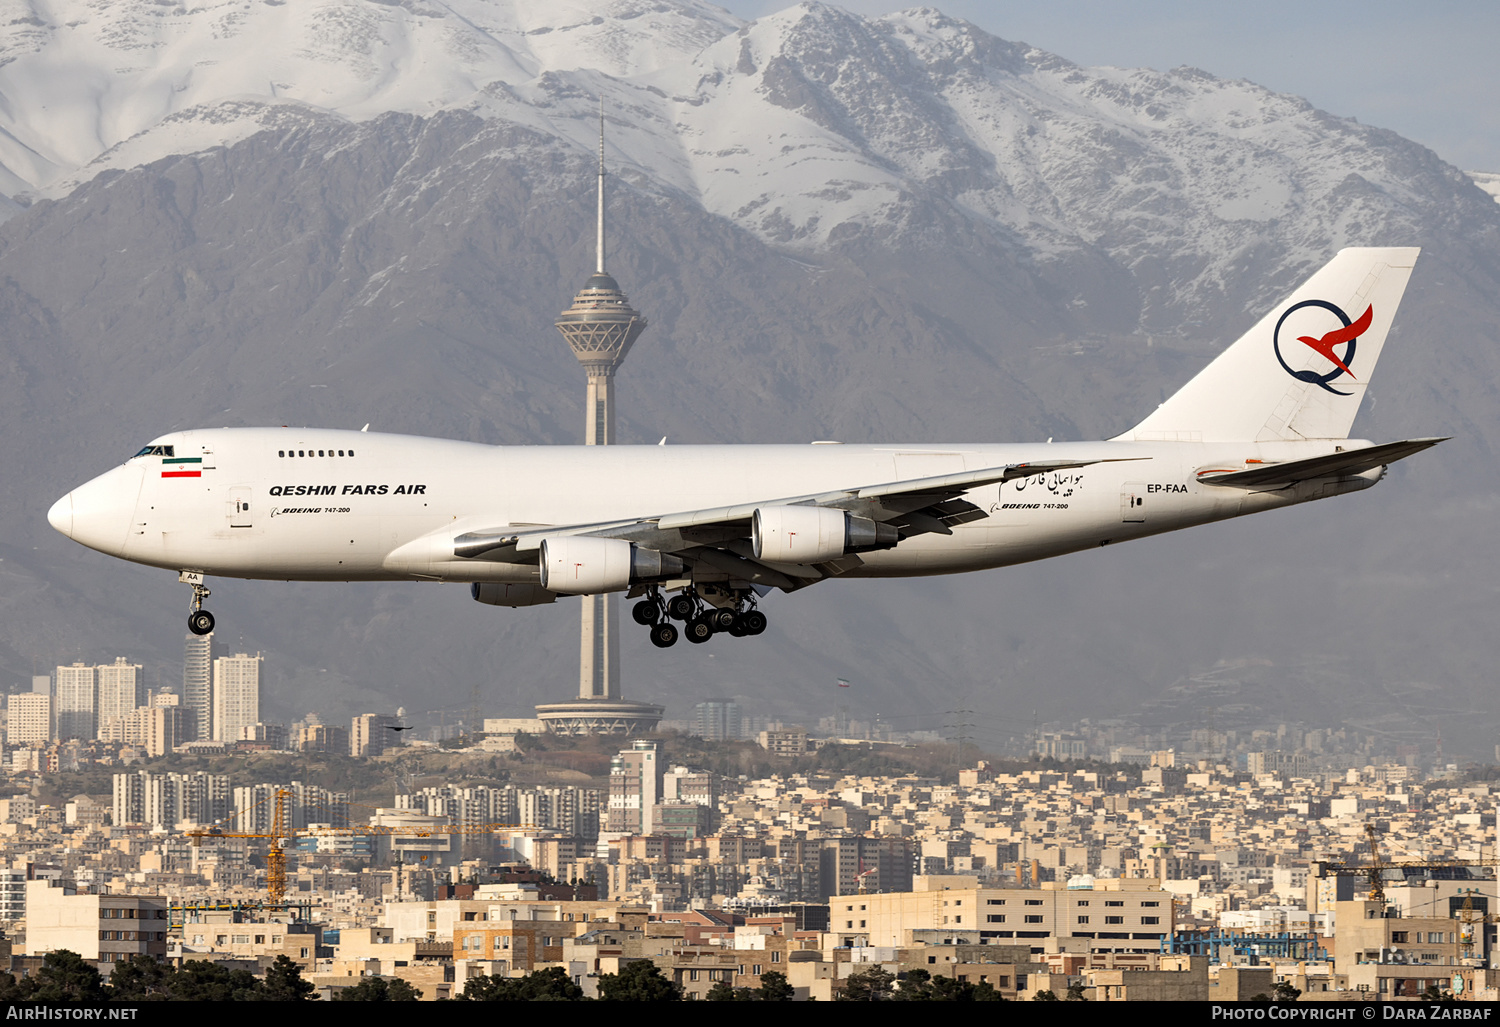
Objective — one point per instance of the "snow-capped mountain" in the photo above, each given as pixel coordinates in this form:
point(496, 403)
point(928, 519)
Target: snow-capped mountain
point(805, 128)
point(894, 229)
point(81, 79)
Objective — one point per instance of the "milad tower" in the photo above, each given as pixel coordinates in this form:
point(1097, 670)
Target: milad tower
point(600, 326)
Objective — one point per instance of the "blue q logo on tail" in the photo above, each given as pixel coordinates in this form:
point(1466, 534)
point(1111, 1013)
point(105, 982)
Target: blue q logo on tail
point(1347, 336)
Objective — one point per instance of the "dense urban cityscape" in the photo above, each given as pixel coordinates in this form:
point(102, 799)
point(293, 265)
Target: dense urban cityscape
point(1272, 862)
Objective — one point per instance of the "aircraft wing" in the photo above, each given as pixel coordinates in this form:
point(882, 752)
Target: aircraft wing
point(720, 536)
point(1333, 465)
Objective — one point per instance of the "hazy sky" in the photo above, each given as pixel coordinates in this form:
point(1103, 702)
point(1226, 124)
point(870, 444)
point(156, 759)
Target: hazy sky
point(1430, 71)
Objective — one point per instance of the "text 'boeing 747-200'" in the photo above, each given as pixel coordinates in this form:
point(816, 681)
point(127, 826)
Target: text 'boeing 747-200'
point(700, 534)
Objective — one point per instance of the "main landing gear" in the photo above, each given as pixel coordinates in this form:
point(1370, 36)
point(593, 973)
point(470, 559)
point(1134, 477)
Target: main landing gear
point(200, 621)
point(732, 612)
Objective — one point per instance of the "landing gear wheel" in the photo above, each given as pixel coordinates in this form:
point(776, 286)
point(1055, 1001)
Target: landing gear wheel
point(754, 621)
point(738, 629)
point(681, 607)
point(699, 631)
point(664, 636)
point(200, 622)
point(722, 620)
point(644, 612)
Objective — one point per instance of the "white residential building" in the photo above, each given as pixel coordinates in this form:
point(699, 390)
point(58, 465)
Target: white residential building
point(198, 688)
point(121, 690)
point(236, 695)
point(28, 718)
point(77, 701)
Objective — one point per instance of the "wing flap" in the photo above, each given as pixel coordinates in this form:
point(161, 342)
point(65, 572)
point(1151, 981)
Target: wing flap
point(891, 496)
point(717, 535)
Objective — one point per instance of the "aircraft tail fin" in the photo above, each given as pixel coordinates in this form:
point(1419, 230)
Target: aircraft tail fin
point(1301, 372)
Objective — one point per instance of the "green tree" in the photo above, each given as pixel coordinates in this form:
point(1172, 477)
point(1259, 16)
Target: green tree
point(1044, 996)
point(774, 987)
point(920, 986)
point(873, 985)
point(284, 982)
point(984, 991)
point(915, 985)
point(638, 981)
point(550, 985)
point(201, 980)
point(951, 989)
point(378, 989)
point(1286, 993)
point(1075, 994)
point(65, 977)
point(140, 979)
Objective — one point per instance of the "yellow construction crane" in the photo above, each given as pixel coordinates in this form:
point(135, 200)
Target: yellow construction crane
point(1374, 870)
point(1377, 871)
point(280, 832)
point(275, 857)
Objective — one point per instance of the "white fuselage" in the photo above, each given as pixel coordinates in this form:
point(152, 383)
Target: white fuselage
point(392, 505)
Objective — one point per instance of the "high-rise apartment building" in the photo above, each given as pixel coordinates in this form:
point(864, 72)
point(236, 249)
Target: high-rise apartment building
point(162, 800)
point(236, 695)
point(565, 808)
point(302, 805)
point(121, 690)
point(717, 720)
point(198, 688)
point(28, 718)
point(634, 788)
point(370, 734)
point(163, 729)
point(77, 698)
point(321, 738)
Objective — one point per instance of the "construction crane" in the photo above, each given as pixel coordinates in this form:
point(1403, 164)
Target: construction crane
point(1374, 870)
point(280, 832)
point(275, 856)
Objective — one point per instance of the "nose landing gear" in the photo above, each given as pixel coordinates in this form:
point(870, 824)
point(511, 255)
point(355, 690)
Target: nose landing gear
point(200, 621)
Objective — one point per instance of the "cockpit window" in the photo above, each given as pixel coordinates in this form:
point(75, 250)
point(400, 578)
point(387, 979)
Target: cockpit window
point(156, 451)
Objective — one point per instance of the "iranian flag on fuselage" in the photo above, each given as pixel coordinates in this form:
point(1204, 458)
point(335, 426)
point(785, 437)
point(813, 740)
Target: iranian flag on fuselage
point(182, 467)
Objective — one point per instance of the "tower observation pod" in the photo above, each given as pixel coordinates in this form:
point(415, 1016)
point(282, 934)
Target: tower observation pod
point(600, 327)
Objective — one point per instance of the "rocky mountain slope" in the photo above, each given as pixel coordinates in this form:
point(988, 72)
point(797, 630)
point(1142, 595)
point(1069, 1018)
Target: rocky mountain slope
point(894, 229)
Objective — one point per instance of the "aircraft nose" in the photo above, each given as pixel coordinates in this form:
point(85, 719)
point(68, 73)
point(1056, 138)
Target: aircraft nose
point(98, 513)
point(61, 515)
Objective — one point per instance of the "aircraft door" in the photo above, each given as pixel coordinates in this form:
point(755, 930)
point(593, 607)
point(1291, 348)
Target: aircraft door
point(240, 513)
point(1133, 503)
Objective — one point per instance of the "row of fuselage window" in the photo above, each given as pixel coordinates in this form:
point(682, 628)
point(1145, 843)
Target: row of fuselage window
point(313, 452)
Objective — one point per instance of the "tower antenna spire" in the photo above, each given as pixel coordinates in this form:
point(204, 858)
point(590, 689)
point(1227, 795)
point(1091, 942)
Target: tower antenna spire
point(600, 327)
point(599, 246)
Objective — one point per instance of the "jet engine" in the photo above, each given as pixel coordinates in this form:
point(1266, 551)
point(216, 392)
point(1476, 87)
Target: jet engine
point(814, 534)
point(586, 565)
point(499, 593)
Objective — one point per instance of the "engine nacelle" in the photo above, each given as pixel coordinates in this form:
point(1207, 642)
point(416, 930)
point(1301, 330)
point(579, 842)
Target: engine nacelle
point(814, 534)
point(499, 593)
point(586, 565)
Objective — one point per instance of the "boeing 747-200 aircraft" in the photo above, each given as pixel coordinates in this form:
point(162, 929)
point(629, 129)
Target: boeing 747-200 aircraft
point(699, 534)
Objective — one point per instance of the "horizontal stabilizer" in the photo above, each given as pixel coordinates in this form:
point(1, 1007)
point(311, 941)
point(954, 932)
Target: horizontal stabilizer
point(1333, 465)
